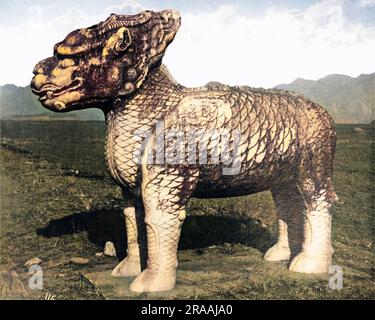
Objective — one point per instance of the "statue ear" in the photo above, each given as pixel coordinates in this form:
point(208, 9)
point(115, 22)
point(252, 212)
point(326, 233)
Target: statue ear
point(118, 42)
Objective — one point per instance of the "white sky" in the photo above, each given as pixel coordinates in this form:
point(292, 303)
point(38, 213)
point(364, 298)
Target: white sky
point(235, 42)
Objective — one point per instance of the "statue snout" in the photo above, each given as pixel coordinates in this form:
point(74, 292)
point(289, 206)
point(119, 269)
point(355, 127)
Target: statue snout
point(41, 71)
point(44, 66)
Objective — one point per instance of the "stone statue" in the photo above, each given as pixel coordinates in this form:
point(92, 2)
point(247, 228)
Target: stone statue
point(239, 142)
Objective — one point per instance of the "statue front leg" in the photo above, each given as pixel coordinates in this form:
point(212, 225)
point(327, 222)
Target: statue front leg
point(136, 258)
point(164, 196)
point(163, 234)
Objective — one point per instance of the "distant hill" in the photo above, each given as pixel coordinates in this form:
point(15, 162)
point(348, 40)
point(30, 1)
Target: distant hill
point(347, 99)
point(19, 103)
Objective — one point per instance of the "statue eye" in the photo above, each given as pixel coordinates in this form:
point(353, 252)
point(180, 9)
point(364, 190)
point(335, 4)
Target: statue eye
point(125, 41)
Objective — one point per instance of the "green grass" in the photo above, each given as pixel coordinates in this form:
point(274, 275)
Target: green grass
point(58, 202)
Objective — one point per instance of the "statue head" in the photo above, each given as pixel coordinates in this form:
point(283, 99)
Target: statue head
point(94, 65)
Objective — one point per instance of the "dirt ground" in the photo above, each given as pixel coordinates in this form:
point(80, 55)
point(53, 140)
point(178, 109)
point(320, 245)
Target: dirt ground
point(55, 211)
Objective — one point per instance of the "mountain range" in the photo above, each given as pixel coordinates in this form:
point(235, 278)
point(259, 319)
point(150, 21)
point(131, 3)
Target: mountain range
point(20, 103)
point(347, 99)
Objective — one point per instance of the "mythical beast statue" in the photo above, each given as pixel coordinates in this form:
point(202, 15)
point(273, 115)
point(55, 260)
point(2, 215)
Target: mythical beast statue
point(275, 140)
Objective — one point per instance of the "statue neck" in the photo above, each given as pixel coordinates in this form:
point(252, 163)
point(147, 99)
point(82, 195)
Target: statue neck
point(159, 78)
point(158, 93)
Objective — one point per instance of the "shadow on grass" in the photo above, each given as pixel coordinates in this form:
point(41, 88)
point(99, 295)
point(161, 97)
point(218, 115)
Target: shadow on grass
point(197, 231)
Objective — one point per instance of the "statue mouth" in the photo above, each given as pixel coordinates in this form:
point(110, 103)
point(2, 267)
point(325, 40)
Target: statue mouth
point(51, 91)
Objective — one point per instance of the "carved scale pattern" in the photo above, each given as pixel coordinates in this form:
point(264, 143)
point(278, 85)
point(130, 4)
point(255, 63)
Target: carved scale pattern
point(283, 136)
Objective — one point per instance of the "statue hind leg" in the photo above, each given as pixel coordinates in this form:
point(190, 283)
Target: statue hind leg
point(317, 188)
point(316, 254)
point(290, 210)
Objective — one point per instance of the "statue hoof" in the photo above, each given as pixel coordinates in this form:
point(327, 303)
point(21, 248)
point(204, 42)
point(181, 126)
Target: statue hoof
point(277, 253)
point(151, 281)
point(127, 268)
point(305, 263)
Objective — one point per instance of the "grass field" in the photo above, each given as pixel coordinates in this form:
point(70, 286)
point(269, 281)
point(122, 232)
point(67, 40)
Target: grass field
point(57, 202)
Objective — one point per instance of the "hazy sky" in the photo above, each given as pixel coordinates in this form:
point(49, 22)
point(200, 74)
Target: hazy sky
point(258, 43)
